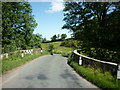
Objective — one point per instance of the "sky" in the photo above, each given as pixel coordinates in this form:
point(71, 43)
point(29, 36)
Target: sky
point(49, 16)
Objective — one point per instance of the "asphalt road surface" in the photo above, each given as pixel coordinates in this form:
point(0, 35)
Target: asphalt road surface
point(45, 72)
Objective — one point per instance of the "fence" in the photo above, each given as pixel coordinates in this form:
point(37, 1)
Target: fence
point(95, 63)
point(22, 52)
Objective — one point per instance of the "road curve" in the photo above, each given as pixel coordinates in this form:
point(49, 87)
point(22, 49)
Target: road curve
point(45, 72)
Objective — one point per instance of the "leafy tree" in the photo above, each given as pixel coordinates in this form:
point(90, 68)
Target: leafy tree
point(54, 38)
point(50, 47)
point(63, 36)
point(81, 18)
point(71, 43)
point(95, 24)
point(58, 36)
point(44, 39)
point(18, 25)
point(36, 41)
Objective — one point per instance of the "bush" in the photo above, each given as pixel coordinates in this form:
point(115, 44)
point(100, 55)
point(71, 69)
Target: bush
point(50, 47)
point(70, 43)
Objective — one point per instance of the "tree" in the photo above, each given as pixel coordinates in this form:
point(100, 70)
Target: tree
point(44, 39)
point(63, 36)
point(18, 25)
point(58, 36)
point(36, 41)
point(81, 18)
point(54, 38)
point(50, 47)
point(96, 25)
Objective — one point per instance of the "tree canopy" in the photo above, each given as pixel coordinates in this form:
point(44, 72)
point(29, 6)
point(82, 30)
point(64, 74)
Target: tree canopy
point(63, 36)
point(18, 25)
point(96, 24)
point(54, 38)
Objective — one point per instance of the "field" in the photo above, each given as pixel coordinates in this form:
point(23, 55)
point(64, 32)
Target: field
point(57, 48)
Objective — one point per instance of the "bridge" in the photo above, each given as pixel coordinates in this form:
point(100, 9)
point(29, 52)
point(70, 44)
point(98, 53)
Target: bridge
point(50, 71)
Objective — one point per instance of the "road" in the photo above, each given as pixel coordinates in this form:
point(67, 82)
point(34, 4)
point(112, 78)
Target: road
point(45, 72)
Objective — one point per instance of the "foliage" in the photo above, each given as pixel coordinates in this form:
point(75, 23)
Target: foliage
point(50, 47)
point(96, 25)
point(95, 76)
point(71, 43)
point(36, 41)
point(58, 37)
point(18, 25)
point(44, 40)
point(54, 38)
point(63, 36)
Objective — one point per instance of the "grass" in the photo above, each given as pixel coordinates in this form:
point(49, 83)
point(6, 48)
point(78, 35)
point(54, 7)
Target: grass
point(16, 60)
point(95, 76)
point(57, 48)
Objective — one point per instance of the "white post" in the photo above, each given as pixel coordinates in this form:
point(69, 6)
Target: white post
point(118, 72)
point(22, 54)
point(32, 51)
point(41, 50)
point(80, 60)
point(6, 55)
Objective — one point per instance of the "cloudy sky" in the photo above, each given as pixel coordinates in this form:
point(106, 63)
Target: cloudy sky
point(49, 16)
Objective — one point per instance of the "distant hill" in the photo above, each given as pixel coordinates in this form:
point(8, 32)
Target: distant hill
point(58, 49)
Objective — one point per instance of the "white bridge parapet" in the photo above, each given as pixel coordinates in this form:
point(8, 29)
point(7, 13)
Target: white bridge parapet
point(75, 51)
point(117, 66)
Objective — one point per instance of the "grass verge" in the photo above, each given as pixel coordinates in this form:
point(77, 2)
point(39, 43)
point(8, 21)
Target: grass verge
point(16, 60)
point(95, 76)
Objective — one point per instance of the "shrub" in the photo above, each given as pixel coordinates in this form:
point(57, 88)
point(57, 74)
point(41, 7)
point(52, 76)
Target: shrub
point(70, 43)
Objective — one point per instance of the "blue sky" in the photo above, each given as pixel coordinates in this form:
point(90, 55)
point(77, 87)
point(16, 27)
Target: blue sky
point(49, 16)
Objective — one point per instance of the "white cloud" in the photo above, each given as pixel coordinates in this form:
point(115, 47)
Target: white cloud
point(56, 6)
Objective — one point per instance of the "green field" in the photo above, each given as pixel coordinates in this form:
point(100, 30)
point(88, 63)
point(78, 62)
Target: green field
point(57, 48)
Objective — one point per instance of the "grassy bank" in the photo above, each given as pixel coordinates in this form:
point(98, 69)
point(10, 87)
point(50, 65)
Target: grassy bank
point(95, 76)
point(57, 48)
point(16, 60)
